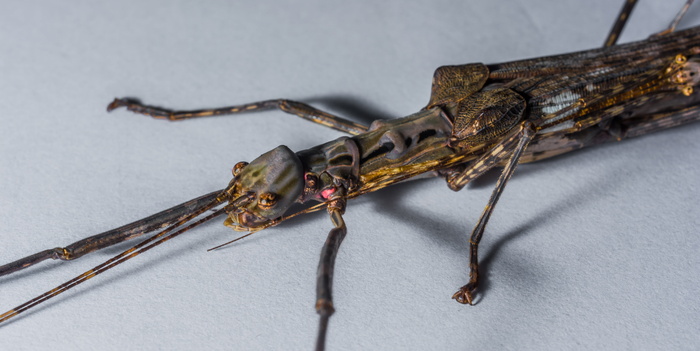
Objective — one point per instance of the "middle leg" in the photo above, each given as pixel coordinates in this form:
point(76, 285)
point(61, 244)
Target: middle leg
point(500, 152)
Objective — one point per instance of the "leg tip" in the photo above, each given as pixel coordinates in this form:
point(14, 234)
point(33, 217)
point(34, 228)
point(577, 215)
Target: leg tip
point(465, 295)
point(117, 103)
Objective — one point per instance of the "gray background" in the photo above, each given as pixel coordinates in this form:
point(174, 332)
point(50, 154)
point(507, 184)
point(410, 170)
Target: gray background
point(598, 249)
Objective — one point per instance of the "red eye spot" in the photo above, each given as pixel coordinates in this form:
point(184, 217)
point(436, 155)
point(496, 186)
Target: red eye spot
point(327, 193)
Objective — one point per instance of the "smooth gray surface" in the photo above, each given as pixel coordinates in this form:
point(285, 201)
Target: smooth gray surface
point(596, 250)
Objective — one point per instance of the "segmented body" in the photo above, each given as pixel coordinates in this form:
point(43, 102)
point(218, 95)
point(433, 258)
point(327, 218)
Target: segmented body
point(573, 100)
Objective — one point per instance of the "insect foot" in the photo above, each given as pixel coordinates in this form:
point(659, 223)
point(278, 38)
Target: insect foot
point(117, 103)
point(465, 295)
point(135, 106)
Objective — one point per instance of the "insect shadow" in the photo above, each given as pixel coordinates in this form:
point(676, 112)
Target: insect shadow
point(354, 108)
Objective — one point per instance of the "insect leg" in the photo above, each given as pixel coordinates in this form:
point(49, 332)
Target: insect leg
point(497, 154)
point(324, 275)
point(677, 19)
point(292, 107)
point(633, 127)
point(523, 136)
point(112, 237)
point(620, 23)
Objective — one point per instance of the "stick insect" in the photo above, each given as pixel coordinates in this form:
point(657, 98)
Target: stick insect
point(395, 145)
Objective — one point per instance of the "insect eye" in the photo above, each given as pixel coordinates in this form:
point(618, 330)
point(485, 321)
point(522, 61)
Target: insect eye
point(267, 200)
point(238, 167)
point(311, 181)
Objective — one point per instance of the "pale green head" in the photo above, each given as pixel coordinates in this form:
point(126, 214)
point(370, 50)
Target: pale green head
point(264, 189)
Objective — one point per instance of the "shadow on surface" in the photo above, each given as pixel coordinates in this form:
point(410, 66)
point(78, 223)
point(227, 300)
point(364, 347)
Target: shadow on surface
point(351, 107)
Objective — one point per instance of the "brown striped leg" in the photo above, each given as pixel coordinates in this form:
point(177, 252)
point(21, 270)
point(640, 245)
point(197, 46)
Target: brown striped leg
point(466, 293)
point(620, 23)
point(324, 275)
point(166, 234)
point(115, 236)
point(292, 107)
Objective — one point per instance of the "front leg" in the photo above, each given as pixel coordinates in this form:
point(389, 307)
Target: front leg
point(326, 264)
point(111, 237)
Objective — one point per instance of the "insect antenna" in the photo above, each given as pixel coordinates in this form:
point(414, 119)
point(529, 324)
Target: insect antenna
point(230, 242)
point(142, 247)
point(271, 224)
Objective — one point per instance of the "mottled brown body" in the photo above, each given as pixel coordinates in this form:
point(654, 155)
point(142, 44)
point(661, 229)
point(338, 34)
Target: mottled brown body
point(573, 100)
